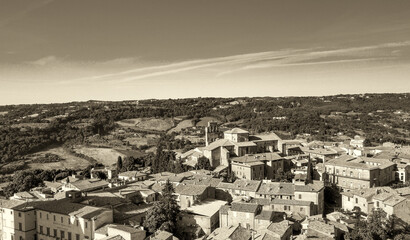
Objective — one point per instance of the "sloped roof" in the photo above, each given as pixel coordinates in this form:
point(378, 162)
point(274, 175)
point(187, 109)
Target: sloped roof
point(236, 131)
point(87, 184)
point(279, 228)
point(190, 190)
point(277, 188)
point(244, 207)
point(219, 143)
point(241, 184)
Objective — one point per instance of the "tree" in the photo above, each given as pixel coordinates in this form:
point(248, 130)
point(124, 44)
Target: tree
point(378, 227)
point(203, 163)
point(23, 181)
point(163, 215)
point(119, 164)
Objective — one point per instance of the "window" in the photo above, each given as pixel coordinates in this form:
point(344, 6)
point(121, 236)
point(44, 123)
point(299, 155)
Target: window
point(300, 196)
point(48, 231)
point(20, 227)
point(69, 235)
point(41, 229)
point(77, 237)
point(357, 200)
point(351, 174)
point(40, 214)
point(54, 218)
point(62, 233)
point(55, 232)
point(47, 216)
point(86, 224)
point(62, 220)
point(348, 199)
point(19, 214)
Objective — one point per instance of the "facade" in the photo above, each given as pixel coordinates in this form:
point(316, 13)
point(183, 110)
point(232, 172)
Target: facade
point(67, 220)
point(386, 198)
point(203, 217)
point(239, 189)
point(351, 172)
point(239, 213)
point(258, 166)
point(17, 220)
point(132, 176)
point(304, 198)
point(235, 143)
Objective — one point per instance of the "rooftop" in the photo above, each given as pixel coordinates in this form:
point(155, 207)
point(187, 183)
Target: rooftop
point(236, 131)
point(245, 207)
point(190, 190)
point(207, 207)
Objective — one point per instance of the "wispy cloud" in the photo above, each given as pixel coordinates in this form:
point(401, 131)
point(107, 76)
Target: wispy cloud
point(271, 59)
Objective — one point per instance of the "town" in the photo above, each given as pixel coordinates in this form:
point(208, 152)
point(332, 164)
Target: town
point(237, 185)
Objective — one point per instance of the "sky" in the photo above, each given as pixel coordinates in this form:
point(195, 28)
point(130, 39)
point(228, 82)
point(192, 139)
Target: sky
point(78, 50)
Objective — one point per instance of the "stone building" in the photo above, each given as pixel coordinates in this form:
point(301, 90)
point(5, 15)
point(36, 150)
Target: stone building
point(349, 172)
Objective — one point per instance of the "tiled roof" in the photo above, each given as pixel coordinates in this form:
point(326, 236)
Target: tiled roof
point(264, 137)
point(219, 143)
point(190, 190)
point(276, 188)
point(258, 157)
point(279, 228)
point(89, 184)
point(203, 180)
point(394, 200)
point(68, 208)
point(321, 227)
point(265, 215)
point(231, 233)
point(236, 131)
point(53, 184)
point(316, 186)
point(245, 207)
point(290, 202)
point(10, 204)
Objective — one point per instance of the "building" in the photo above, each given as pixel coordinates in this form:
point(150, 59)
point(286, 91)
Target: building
point(259, 166)
point(235, 143)
point(64, 219)
point(390, 200)
point(277, 230)
point(304, 198)
point(230, 233)
point(17, 220)
point(188, 195)
point(351, 172)
point(238, 189)
point(240, 213)
point(86, 185)
point(132, 176)
point(211, 133)
point(125, 232)
point(357, 142)
point(200, 219)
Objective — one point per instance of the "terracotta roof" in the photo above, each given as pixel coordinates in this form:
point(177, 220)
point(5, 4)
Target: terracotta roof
point(219, 143)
